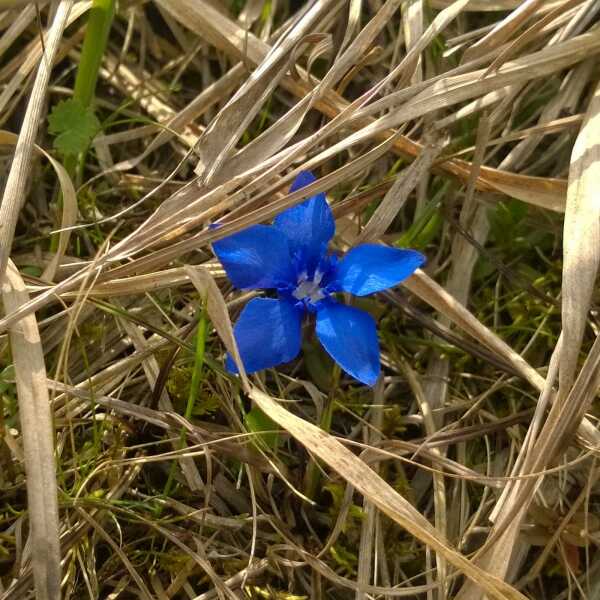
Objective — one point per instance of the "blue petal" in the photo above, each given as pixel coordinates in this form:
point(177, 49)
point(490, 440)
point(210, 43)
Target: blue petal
point(371, 268)
point(267, 333)
point(303, 179)
point(257, 257)
point(308, 226)
point(350, 337)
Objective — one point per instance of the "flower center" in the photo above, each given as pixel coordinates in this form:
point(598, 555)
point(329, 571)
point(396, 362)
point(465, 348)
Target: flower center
point(309, 290)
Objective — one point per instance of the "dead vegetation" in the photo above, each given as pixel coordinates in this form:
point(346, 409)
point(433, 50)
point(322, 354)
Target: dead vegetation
point(469, 130)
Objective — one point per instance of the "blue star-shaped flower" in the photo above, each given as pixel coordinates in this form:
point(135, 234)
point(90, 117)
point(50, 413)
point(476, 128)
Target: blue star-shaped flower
point(291, 257)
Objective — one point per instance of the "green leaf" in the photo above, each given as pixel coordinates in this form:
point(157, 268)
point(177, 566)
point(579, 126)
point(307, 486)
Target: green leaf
point(74, 126)
point(7, 377)
point(345, 558)
point(257, 422)
point(318, 364)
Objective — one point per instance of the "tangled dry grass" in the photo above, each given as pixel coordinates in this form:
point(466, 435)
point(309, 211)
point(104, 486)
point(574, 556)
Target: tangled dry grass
point(469, 130)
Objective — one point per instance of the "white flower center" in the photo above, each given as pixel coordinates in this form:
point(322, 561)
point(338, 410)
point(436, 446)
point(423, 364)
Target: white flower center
point(309, 289)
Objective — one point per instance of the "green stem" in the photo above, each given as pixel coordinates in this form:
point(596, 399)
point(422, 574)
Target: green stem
point(92, 51)
point(198, 362)
point(201, 334)
point(94, 44)
point(313, 471)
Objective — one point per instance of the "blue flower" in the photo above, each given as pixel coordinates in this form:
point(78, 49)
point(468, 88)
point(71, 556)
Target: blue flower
point(291, 258)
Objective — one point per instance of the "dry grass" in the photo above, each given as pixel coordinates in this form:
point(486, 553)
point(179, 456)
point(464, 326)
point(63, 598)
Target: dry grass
point(467, 129)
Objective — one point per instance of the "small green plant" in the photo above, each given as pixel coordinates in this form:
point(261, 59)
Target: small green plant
point(200, 347)
point(74, 127)
point(266, 429)
point(73, 121)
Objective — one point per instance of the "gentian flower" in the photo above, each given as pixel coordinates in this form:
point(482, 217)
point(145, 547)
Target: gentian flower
point(291, 258)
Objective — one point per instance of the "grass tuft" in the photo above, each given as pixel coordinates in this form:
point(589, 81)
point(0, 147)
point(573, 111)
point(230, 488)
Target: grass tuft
point(466, 130)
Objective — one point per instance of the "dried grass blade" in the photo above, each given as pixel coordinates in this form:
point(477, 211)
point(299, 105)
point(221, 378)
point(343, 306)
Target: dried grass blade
point(8, 4)
point(439, 483)
point(438, 298)
point(151, 370)
point(530, 34)
point(69, 214)
point(491, 5)
point(349, 466)
point(503, 30)
point(217, 311)
point(415, 47)
point(220, 138)
point(545, 192)
point(20, 23)
point(458, 88)
point(144, 591)
point(31, 57)
point(354, 12)
point(562, 420)
point(265, 146)
point(141, 284)
point(18, 176)
point(380, 493)
point(38, 440)
point(581, 241)
point(191, 112)
point(397, 195)
point(412, 22)
point(367, 534)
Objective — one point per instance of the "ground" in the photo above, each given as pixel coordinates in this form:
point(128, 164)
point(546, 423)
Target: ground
point(134, 465)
